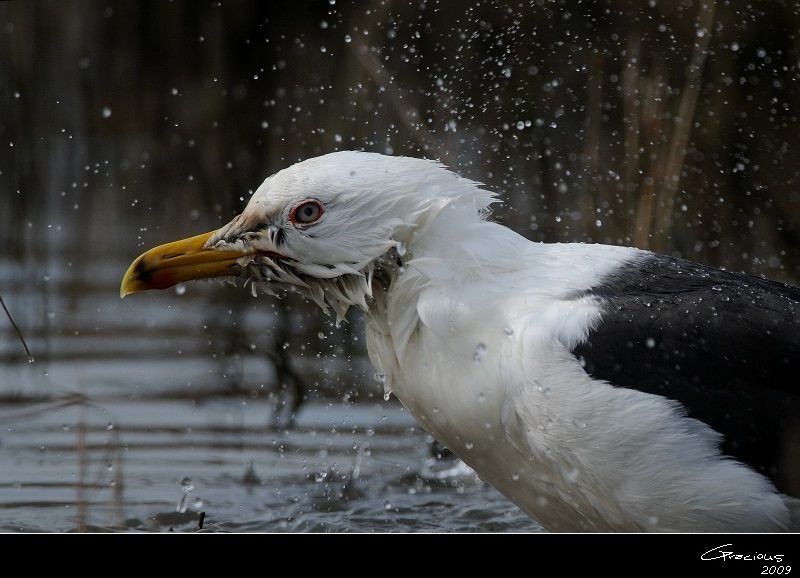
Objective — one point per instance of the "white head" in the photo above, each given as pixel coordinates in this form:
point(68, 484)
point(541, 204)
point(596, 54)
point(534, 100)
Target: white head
point(322, 226)
point(348, 207)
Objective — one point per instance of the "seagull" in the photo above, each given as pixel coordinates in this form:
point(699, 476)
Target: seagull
point(600, 388)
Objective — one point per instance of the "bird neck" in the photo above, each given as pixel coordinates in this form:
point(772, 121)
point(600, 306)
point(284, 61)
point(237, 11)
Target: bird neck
point(435, 234)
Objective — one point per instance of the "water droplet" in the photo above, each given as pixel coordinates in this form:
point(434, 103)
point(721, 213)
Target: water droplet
point(469, 445)
point(508, 331)
point(545, 391)
point(180, 288)
point(481, 397)
point(650, 343)
point(578, 422)
point(480, 352)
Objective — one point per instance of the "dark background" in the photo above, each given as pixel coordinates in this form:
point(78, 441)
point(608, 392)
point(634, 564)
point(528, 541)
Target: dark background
point(666, 125)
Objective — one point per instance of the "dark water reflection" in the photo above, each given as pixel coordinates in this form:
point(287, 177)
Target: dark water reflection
point(159, 465)
point(137, 416)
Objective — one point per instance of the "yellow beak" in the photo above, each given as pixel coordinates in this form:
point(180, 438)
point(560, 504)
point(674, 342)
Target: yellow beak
point(179, 261)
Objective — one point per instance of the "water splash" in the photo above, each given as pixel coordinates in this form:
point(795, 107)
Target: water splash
point(187, 485)
point(387, 389)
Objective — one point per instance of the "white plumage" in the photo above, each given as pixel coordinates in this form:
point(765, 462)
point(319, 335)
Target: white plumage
point(588, 383)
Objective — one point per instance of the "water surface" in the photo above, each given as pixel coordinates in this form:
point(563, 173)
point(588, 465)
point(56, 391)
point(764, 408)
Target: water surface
point(145, 414)
point(217, 466)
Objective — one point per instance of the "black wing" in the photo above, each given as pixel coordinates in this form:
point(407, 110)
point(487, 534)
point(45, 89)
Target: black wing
point(725, 345)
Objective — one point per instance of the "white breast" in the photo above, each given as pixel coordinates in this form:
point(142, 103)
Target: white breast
point(485, 366)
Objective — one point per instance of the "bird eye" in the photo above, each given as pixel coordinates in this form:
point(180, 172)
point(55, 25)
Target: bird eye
point(306, 213)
